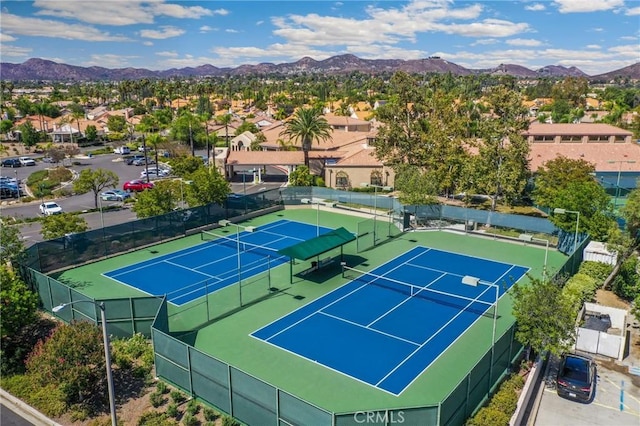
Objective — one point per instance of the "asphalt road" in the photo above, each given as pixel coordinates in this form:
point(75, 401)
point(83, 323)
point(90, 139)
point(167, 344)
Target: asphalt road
point(10, 418)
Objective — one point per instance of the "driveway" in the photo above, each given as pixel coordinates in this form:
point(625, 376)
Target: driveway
point(617, 400)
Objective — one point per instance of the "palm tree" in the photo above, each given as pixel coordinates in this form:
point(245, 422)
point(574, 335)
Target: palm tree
point(225, 120)
point(307, 125)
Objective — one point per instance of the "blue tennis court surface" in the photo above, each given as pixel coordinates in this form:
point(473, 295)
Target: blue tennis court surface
point(386, 327)
point(188, 274)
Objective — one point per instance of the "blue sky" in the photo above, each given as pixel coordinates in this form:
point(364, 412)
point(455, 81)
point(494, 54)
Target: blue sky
point(594, 35)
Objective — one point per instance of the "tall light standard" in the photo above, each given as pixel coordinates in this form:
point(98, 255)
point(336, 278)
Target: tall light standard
point(474, 281)
point(18, 185)
point(529, 238)
point(100, 208)
point(558, 210)
point(309, 201)
point(107, 353)
point(615, 202)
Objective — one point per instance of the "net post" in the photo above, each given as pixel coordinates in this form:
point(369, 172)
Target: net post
point(342, 265)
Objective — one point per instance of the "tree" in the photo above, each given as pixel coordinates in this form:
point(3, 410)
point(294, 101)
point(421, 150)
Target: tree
point(185, 166)
point(225, 120)
point(307, 126)
point(91, 133)
point(116, 123)
point(28, 134)
point(95, 180)
point(555, 175)
point(415, 186)
point(11, 245)
point(301, 177)
point(59, 225)
point(631, 214)
point(545, 316)
point(163, 198)
point(207, 186)
point(18, 304)
point(71, 358)
point(501, 168)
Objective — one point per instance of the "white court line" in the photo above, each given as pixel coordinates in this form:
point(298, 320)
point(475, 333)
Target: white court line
point(429, 339)
point(332, 303)
point(401, 303)
point(367, 328)
point(189, 269)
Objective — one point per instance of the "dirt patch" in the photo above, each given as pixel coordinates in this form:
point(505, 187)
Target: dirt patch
point(608, 298)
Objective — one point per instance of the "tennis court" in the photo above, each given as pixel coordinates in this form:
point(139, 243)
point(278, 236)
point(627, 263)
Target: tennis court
point(386, 326)
point(226, 256)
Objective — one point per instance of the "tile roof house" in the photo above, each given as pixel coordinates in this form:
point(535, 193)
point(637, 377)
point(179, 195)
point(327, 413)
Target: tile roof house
point(597, 143)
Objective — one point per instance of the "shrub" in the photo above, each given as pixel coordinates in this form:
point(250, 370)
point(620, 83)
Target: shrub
point(172, 410)
point(597, 270)
point(48, 399)
point(189, 420)
point(193, 407)
point(489, 417)
point(177, 396)
point(506, 400)
point(580, 288)
point(229, 421)
point(210, 414)
point(162, 387)
point(155, 418)
point(156, 399)
point(135, 352)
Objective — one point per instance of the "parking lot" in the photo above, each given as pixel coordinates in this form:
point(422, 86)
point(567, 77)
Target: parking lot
point(617, 401)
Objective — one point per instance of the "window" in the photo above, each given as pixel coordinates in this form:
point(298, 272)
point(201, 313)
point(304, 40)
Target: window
point(543, 139)
point(571, 139)
point(620, 139)
point(598, 139)
point(376, 178)
point(342, 180)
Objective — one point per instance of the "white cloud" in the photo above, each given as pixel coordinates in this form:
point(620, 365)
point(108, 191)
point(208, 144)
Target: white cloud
point(259, 23)
point(485, 42)
point(206, 29)
point(147, 43)
point(221, 12)
point(168, 54)
point(573, 6)
point(485, 28)
point(163, 33)
point(14, 51)
point(130, 12)
point(633, 11)
point(110, 61)
point(593, 46)
point(523, 42)
point(536, 7)
point(231, 31)
point(21, 25)
point(6, 37)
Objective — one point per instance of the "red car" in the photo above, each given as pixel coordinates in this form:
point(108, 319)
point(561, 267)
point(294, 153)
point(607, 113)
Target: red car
point(137, 185)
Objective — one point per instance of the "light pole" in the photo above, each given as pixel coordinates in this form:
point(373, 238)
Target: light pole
point(474, 281)
point(308, 201)
point(615, 202)
point(558, 210)
point(107, 353)
point(529, 237)
point(375, 203)
point(18, 185)
point(226, 222)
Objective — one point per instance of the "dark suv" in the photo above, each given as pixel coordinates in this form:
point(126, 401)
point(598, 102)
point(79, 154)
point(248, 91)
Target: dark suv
point(576, 378)
point(11, 162)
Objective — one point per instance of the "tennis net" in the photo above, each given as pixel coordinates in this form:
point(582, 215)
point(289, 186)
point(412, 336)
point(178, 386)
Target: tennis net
point(460, 302)
point(239, 245)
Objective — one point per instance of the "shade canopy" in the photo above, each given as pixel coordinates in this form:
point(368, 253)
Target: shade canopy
point(318, 245)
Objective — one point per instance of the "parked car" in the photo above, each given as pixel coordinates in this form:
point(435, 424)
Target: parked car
point(114, 195)
point(11, 162)
point(49, 208)
point(129, 160)
point(122, 150)
point(10, 180)
point(153, 173)
point(140, 161)
point(576, 377)
point(9, 191)
point(47, 159)
point(27, 161)
point(137, 185)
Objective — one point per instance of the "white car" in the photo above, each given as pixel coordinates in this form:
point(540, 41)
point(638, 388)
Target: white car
point(27, 161)
point(49, 207)
point(153, 174)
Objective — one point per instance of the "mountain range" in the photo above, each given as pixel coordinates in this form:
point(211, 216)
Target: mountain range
point(41, 69)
